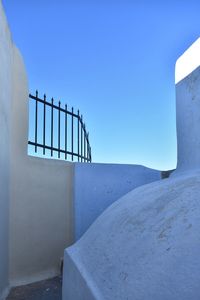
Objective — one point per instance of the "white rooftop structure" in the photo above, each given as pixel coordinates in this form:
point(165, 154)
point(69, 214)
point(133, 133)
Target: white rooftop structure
point(146, 245)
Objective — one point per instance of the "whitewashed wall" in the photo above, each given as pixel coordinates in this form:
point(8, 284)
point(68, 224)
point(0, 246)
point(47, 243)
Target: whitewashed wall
point(96, 186)
point(188, 122)
point(41, 195)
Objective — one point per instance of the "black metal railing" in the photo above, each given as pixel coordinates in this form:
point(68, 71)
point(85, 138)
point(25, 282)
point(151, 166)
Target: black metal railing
point(57, 130)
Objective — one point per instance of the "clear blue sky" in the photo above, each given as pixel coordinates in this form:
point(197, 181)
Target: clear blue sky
point(114, 60)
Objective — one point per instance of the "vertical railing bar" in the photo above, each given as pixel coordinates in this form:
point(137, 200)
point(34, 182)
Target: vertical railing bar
point(84, 143)
point(88, 147)
point(44, 125)
point(78, 134)
point(72, 134)
point(36, 118)
point(65, 131)
point(81, 138)
point(59, 129)
point(90, 154)
point(52, 126)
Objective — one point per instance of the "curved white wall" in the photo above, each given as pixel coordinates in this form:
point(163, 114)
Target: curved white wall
point(145, 246)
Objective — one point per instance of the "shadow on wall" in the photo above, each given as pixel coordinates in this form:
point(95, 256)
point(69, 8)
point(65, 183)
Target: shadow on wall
point(96, 186)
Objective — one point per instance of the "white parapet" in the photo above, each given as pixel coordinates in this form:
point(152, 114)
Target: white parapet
point(187, 77)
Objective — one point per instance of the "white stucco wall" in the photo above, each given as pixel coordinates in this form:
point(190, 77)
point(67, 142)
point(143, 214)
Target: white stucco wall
point(96, 186)
point(40, 198)
point(6, 60)
point(187, 77)
point(41, 219)
point(188, 122)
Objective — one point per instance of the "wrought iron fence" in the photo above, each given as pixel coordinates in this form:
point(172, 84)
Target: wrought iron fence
point(65, 134)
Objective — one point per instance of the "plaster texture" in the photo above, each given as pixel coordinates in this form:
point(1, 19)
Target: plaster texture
point(144, 246)
point(96, 186)
point(40, 199)
point(6, 84)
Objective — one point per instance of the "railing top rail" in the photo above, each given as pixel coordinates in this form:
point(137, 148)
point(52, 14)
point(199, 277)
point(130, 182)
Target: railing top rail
point(53, 105)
